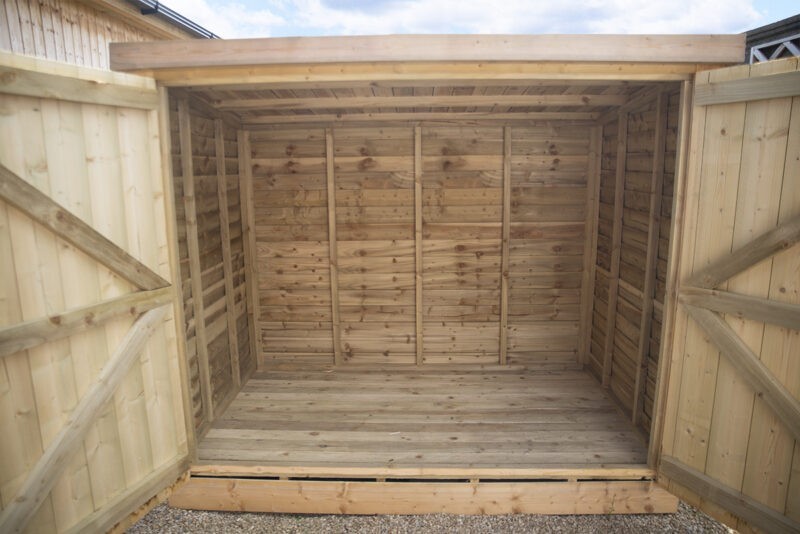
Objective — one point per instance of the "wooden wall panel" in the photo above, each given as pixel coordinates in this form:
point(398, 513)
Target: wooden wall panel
point(462, 170)
point(549, 166)
point(223, 349)
point(290, 203)
point(667, 193)
point(101, 163)
point(375, 243)
point(629, 295)
point(460, 253)
point(77, 32)
point(192, 360)
point(638, 160)
point(605, 230)
point(744, 183)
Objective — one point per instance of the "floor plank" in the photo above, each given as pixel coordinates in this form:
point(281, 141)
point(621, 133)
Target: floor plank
point(495, 417)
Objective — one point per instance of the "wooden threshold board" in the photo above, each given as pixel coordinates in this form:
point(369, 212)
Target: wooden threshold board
point(406, 421)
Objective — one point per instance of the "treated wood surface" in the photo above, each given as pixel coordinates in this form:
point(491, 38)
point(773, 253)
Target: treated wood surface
point(724, 416)
point(501, 417)
point(471, 236)
point(51, 464)
point(430, 48)
point(335, 497)
point(75, 231)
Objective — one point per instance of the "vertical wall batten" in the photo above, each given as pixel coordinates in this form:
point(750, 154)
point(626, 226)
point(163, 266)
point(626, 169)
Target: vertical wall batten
point(192, 239)
point(654, 227)
point(225, 236)
point(616, 244)
point(506, 238)
point(333, 254)
point(590, 242)
point(418, 329)
point(684, 224)
point(249, 242)
point(175, 269)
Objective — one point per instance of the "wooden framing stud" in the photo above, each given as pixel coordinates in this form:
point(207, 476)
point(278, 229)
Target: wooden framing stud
point(616, 245)
point(418, 244)
point(590, 242)
point(193, 246)
point(249, 241)
point(653, 232)
point(506, 239)
point(333, 255)
point(225, 238)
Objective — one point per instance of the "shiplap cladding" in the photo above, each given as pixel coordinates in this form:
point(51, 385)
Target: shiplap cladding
point(69, 31)
point(461, 169)
point(548, 211)
point(214, 153)
point(624, 346)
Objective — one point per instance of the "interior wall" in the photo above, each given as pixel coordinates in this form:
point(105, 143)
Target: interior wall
point(637, 180)
point(212, 258)
point(456, 248)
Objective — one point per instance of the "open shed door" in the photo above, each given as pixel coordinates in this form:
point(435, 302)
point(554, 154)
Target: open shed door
point(731, 421)
point(91, 403)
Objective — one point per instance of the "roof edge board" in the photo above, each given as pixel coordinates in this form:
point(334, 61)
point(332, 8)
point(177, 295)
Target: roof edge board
point(696, 49)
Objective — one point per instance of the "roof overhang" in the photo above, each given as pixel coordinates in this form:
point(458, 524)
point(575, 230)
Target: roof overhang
point(427, 57)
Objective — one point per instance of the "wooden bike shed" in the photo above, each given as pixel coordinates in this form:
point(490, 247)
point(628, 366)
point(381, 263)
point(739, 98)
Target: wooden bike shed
point(495, 274)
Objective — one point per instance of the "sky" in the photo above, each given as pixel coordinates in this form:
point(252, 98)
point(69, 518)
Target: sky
point(283, 18)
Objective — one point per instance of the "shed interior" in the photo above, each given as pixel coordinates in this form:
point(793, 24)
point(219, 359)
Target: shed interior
point(458, 274)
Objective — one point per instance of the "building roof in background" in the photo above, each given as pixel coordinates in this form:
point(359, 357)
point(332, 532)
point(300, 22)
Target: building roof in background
point(768, 40)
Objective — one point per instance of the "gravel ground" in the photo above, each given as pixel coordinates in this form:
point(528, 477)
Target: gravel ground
point(163, 519)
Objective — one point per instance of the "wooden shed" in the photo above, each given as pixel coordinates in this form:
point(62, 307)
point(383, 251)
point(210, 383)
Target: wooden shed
point(401, 274)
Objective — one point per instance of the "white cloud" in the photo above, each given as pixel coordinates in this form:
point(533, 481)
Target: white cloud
point(352, 17)
point(230, 20)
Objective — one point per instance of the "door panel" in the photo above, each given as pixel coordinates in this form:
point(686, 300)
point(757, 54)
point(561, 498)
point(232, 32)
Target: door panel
point(90, 381)
point(732, 418)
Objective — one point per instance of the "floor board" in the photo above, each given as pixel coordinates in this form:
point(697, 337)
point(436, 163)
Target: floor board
point(493, 418)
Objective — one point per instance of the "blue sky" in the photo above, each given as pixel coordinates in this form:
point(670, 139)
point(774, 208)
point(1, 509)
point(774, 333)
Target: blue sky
point(281, 18)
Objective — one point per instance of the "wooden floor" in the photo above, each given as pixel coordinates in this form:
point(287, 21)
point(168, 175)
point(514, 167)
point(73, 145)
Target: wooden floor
point(499, 420)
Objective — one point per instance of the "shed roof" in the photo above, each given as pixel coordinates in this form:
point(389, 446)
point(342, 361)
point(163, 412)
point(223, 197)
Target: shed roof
point(309, 80)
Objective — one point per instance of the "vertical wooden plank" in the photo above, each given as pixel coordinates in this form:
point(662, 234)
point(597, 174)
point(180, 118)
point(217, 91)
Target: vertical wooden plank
point(66, 285)
point(225, 237)
point(179, 367)
point(653, 230)
point(13, 28)
point(185, 134)
point(246, 199)
point(689, 148)
point(333, 254)
point(418, 243)
point(25, 244)
point(26, 29)
point(717, 183)
point(768, 195)
point(140, 161)
point(787, 343)
point(731, 401)
point(616, 244)
point(506, 237)
point(101, 141)
point(129, 400)
point(590, 242)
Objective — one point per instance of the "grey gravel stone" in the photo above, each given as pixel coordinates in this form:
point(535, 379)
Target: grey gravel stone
point(166, 520)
